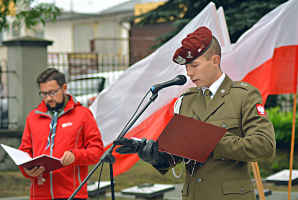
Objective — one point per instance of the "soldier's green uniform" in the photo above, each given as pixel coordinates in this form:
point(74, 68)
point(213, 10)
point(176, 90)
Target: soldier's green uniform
point(236, 106)
point(250, 138)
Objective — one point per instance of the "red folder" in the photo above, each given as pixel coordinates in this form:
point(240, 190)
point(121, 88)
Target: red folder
point(189, 138)
point(49, 163)
point(23, 159)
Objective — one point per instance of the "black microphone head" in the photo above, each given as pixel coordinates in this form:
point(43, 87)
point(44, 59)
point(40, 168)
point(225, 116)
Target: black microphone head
point(181, 79)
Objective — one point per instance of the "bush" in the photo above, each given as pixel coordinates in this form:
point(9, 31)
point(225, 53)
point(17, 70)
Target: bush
point(282, 122)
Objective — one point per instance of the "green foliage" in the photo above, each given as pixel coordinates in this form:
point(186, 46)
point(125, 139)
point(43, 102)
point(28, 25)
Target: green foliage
point(26, 14)
point(4, 158)
point(282, 122)
point(240, 15)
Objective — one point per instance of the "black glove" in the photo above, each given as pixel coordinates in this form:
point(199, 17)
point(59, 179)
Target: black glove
point(148, 151)
point(128, 146)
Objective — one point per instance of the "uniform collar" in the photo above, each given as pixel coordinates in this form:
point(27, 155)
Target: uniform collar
point(214, 87)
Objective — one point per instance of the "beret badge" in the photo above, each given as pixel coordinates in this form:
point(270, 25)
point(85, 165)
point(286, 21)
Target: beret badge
point(180, 60)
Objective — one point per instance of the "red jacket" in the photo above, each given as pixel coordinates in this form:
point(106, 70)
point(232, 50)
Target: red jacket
point(76, 131)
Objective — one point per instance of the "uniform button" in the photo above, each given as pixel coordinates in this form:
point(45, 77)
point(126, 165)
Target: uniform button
point(187, 90)
point(224, 126)
point(245, 84)
point(223, 158)
point(242, 189)
point(241, 83)
point(199, 180)
point(233, 83)
point(201, 164)
point(222, 91)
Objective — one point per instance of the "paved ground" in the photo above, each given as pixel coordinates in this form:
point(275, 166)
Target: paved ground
point(176, 195)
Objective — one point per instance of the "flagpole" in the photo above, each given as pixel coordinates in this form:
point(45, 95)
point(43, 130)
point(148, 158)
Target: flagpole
point(292, 146)
point(261, 184)
point(258, 181)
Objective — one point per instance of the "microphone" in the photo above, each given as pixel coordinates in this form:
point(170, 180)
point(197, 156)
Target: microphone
point(178, 80)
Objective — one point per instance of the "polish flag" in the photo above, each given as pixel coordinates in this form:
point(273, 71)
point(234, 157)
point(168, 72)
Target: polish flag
point(266, 56)
point(115, 105)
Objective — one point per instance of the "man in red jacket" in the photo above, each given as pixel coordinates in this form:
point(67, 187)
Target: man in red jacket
point(60, 127)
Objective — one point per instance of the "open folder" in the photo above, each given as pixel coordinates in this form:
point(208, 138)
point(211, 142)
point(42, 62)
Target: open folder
point(189, 138)
point(23, 159)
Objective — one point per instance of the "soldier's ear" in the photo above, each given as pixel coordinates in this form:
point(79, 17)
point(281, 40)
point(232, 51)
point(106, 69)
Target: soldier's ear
point(216, 60)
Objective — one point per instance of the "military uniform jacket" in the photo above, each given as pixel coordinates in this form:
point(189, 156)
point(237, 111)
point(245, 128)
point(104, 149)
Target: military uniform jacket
point(250, 138)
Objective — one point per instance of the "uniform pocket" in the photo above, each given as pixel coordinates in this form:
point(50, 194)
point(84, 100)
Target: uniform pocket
point(226, 123)
point(185, 189)
point(237, 186)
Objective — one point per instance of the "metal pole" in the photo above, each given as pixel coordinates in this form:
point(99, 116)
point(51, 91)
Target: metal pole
point(107, 156)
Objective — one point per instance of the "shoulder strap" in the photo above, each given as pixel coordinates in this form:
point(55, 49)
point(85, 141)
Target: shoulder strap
point(177, 105)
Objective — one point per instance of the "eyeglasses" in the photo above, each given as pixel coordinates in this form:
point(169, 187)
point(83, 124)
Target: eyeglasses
point(51, 94)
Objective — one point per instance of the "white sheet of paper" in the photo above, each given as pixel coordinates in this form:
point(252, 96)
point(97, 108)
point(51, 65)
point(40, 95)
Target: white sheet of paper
point(18, 156)
point(137, 139)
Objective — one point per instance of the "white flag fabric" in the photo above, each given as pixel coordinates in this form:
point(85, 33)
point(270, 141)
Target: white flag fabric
point(116, 104)
point(267, 55)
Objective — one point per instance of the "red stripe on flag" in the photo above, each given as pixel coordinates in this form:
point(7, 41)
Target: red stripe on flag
point(278, 75)
point(149, 128)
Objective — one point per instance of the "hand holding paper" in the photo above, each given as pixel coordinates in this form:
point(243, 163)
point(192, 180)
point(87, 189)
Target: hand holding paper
point(35, 171)
point(148, 152)
point(23, 159)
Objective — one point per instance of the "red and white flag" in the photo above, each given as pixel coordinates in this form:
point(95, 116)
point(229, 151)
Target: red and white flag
point(266, 56)
point(116, 104)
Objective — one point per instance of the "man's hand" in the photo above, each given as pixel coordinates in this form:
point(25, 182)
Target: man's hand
point(67, 158)
point(35, 171)
point(129, 146)
point(148, 151)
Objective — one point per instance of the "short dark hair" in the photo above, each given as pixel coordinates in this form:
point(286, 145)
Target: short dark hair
point(214, 49)
point(51, 74)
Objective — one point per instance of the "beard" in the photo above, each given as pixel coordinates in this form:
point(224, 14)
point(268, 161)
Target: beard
point(58, 104)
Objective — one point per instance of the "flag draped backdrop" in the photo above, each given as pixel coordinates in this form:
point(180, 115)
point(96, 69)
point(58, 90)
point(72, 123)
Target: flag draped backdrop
point(116, 104)
point(265, 56)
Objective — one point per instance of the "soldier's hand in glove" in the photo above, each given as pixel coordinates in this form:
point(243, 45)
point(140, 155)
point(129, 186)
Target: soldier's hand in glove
point(148, 151)
point(128, 146)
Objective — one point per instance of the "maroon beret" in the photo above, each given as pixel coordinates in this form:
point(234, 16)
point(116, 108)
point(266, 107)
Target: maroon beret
point(194, 45)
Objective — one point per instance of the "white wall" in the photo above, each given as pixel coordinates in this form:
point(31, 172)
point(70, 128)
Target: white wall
point(74, 35)
point(60, 32)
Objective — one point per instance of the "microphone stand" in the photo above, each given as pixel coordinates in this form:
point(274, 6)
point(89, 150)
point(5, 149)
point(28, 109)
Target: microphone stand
point(108, 157)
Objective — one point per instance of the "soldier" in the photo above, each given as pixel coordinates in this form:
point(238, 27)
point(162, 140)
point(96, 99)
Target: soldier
point(234, 105)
